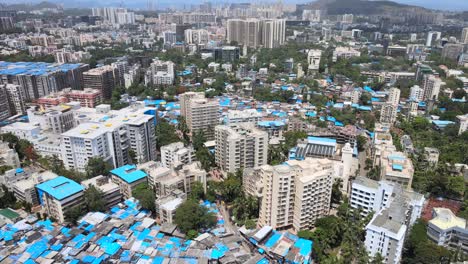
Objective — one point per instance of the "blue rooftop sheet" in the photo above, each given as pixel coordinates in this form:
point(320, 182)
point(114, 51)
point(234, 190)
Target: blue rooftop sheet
point(129, 173)
point(304, 245)
point(327, 140)
point(60, 187)
point(397, 167)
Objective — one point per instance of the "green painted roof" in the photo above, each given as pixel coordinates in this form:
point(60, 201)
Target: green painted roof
point(8, 213)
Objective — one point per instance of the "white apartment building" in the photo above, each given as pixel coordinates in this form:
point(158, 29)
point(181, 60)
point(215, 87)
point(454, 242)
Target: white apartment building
point(25, 190)
point(295, 194)
point(463, 120)
point(416, 93)
point(201, 114)
point(396, 211)
point(110, 134)
point(388, 114)
point(313, 59)
point(16, 97)
point(165, 181)
point(110, 191)
point(240, 146)
point(196, 36)
point(243, 116)
point(396, 167)
point(160, 73)
point(176, 154)
point(127, 178)
point(448, 230)
point(166, 206)
point(56, 119)
point(345, 53)
point(59, 195)
point(431, 86)
point(8, 156)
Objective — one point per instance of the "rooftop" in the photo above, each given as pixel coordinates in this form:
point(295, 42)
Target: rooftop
point(129, 173)
point(60, 187)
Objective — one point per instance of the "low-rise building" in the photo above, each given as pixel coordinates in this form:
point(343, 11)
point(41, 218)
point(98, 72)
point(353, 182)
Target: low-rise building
point(25, 190)
point(448, 230)
point(59, 195)
point(127, 178)
point(176, 154)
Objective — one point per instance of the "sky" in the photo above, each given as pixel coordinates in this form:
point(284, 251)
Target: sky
point(454, 5)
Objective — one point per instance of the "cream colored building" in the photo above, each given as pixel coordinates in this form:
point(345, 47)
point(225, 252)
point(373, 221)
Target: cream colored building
point(240, 146)
point(294, 195)
point(201, 114)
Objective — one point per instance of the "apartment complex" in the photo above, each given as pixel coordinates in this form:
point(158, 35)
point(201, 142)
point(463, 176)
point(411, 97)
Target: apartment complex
point(38, 79)
point(201, 114)
point(448, 230)
point(396, 210)
point(87, 98)
point(128, 177)
point(295, 194)
point(104, 79)
point(25, 190)
point(431, 86)
point(160, 73)
point(59, 195)
point(110, 134)
point(165, 181)
point(313, 59)
point(252, 32)
point(240, 146)
point(242, 116)
point(176, 154)
point(388, 114)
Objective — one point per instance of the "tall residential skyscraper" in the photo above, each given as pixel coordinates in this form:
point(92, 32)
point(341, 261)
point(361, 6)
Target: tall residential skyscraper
point(389, 109)
point(464, 36)
point(104, 78)
point(294, 194)
point(274, 33)
point(201, 114)
point(4, 105)
point(252, 32)
point(313, 59)
point(240, 146)
point(431, 86)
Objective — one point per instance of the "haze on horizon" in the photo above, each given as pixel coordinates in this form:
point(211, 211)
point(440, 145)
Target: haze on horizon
point(449, 5)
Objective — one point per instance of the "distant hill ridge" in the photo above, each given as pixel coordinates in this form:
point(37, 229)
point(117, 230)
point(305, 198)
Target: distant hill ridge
point(362, 7)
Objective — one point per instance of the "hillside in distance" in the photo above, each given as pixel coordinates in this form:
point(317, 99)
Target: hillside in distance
point(362, 7)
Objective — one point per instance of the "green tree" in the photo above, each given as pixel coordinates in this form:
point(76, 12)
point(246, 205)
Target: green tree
point(165, 133)
point(337, 195)
point(94, 200)
point(73, 214)
point(97, 166)
point(8, 199)
point(190, 215)
point(361, 142)
point(146, 196)
point(456, 186)
point(198, 191)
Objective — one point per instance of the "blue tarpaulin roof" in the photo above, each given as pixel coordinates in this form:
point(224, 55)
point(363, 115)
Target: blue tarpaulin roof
point(129, 173)
point(60, 187)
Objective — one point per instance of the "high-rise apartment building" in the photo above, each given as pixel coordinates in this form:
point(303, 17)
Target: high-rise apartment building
point(201, 114)
point(416, 93)
point(295, 194)
point(104, 78)
point(274, 33)
point(313, 59)
point(396, 210)
point(388, 113)
point(176, 154)
point(160, 73)
point(269, 33)
point(115, 16)
point(110, 135)
point(16, 98)
point(38, 79)
point(431, 86)
point(240, 146)
point(4, 105)
point(464, 36)
point(452, 51)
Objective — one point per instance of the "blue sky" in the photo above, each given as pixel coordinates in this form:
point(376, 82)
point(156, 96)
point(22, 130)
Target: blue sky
point(456, 5)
